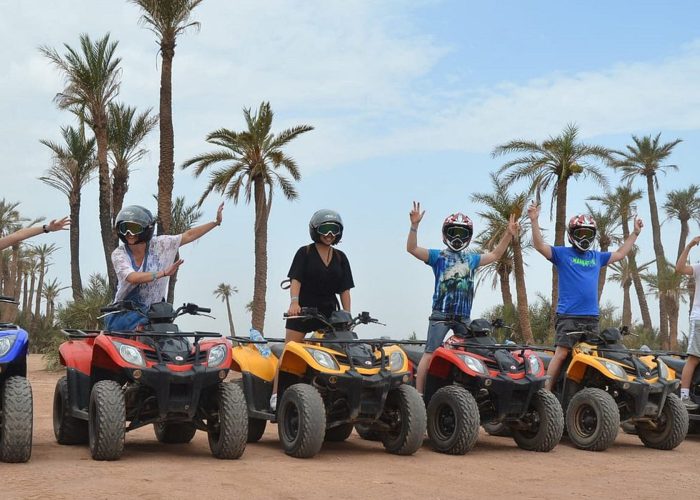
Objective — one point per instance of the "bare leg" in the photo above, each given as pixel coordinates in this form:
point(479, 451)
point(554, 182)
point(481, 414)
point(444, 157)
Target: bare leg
point(555, 365)
point(290, 336)
point(422, 374)
point(688, 370)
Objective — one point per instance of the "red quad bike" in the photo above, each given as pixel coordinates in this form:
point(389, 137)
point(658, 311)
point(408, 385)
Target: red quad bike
point(118, 381)
point(472, 380)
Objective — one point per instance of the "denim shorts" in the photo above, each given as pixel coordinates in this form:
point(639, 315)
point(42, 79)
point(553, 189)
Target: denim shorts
point(437, 329)
point(566, 324)
point(694, 338)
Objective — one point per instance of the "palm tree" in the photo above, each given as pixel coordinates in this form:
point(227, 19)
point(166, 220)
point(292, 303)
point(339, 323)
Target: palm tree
point(126, 131)
point(623, 200)
point(623, 273)
point(92, 82)
point(73, 166)
point(167, 19)
point(669, 287)
point(253, 159)
point(11, 221)
point(551, 164)
point(183, 217)
point(500, 206)
point(684, 205)
point(50, 293)
point(224, 292)
point(499, 271)
point(42, 252)
point(645, 159)
point(606, 224)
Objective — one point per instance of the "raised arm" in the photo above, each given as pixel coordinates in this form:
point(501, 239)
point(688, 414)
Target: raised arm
point(28, 232)
point(197, 232)
point(412, 241)
point(533, 211)
point(497, 252)
point(682, 265)
point(621, 252)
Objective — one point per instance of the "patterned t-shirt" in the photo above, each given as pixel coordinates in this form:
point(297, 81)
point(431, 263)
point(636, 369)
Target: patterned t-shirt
point(454, 280)
point(160, 253)
point(578, 279)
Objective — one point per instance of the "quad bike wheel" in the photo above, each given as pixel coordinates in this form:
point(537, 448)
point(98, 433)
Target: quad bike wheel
point(66, 428)
point(338, 433)
point(546, 421)
point(366, 432)
point(106, 420)
point(669, 430)
point(592, 419)
point(453, 420)
point(227, 428)
point(16, 425)
point(301, 421)
point(404, 411)
point(498, 429)
point(174, 432)
point(256, 429)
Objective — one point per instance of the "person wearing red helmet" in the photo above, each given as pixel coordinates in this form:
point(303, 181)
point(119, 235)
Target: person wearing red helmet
point(454, 268)
point(578, 267)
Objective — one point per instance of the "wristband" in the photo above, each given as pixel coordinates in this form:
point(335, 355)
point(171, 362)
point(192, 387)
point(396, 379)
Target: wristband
point(45, 228)
point(294, 298)
point(413, 229)
point(154, 276)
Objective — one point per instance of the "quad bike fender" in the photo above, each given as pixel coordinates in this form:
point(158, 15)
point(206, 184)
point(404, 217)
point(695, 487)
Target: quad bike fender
point(17, 355)
point(649, 361)
point(444, 359)
point(581, 362)
point(390, 349)
point(247, 359)
point(77, 355)
point(297, 356)
point(106, 356)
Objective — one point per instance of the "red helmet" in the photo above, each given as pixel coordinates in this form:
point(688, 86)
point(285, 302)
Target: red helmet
point(581, 231)
point(457, 230)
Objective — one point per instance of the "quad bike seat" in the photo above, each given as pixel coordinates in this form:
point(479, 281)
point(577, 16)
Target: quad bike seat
point(414, 353)
point(277, 348)
point(546, 358)
point(676, 364)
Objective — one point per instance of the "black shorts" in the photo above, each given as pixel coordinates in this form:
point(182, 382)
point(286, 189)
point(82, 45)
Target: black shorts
point(567, 324)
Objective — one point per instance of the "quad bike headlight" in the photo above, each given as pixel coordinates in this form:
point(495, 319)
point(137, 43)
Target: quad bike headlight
point(130, 354)
point(663, 369)
point(615, 369)
point(534, 363)
point(475, 365)
point(323, 358)
point(396, 361)
point(6, 343)
point(216, 356)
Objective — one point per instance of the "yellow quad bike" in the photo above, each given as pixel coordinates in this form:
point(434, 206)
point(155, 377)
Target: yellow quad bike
point(329, 382)
point(603, 383)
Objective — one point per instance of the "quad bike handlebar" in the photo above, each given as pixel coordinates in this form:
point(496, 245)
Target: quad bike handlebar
point(129, 306)
point(313, 313)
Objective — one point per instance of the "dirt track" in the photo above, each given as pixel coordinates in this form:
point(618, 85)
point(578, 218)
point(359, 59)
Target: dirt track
point(354, 469)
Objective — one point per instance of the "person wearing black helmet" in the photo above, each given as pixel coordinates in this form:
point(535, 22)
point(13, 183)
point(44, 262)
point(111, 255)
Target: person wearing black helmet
point(144, 263)
point(578, 267)
point(318, 274)
point(454, 268)
point(29, 232)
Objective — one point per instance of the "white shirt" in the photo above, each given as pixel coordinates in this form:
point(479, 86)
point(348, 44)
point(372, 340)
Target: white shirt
point(695, 310)
point(160, 254)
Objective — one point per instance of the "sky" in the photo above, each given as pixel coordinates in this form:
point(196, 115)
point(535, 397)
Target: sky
point(407, 100)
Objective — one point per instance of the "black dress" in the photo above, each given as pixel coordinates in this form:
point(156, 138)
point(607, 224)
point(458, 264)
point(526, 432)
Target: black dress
point(319, 283)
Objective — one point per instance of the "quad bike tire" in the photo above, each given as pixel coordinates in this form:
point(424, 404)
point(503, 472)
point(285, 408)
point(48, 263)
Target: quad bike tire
point(592, 419)
point(365, 432)
point(453, 420)
point(106, 421)
point(338, 434)
point(301, 421)
point(66, 428)
point(498, 429)
point(174, 432)
point(405, 412)
point(227, 432)
point(256, 429)
point(16, 425)
point(669, 430)
point(548, 428)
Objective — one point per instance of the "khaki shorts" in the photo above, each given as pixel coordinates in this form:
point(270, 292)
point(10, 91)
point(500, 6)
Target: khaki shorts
point(694, 338)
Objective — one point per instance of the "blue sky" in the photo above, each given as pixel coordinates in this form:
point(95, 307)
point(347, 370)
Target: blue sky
point(408, 99)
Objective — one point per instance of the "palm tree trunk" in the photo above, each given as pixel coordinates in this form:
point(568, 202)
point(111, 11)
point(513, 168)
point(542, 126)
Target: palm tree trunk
point(685, 230)
point(12, 283)
point(673, 308)
point(166, 167)
point(31, 293)
point(504, 281)
point(626, 303)
point(262, 213)
point(25, 293)
point(120, 186)
point(636, 279)
point(232, 329)
point(603, 273)
point(105, 201)
point(521, 291)
point(660, 260)
point(75, 278)
point(172, 283)
point(37, 306)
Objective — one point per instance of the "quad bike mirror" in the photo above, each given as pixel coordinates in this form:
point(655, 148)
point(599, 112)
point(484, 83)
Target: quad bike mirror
point(625, 330)
point(365, 317)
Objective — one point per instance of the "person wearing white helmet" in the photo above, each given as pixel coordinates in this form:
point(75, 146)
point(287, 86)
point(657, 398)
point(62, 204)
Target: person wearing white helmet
point(454, 268)
point(578, 267)
point(144, 263)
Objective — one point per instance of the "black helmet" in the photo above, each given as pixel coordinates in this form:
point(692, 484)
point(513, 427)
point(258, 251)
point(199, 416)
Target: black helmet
point(137, 221)
point(324, 222)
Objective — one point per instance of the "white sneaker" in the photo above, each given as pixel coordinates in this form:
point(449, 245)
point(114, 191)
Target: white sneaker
point(273, 402)
point(689, 404)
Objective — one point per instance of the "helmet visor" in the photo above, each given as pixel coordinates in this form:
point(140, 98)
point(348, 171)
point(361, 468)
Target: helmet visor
point(133, 228)
point(328, 228)
point(458, 232)
point(583, 233)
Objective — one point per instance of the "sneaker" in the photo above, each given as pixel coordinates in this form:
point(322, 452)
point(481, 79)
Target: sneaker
point(273, 402)
point(689, 404)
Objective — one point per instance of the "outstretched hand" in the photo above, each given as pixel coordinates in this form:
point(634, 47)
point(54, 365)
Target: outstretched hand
point(220, 214)
point(416, 215)
point(172, 268)
point(638, 225)
point(513, 226)
point(533, 211)
point(58, 225)
point(694, 242)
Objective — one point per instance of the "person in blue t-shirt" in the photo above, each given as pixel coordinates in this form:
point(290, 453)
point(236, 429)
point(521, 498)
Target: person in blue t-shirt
point(578, 267)
point(454, 268)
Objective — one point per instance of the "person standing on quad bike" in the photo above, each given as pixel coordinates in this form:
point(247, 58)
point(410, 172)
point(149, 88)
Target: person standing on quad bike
point(28, 232)
point(578, 267)
point(691, 363)
point(454, 268)
point(318, 273)
point(144, 260)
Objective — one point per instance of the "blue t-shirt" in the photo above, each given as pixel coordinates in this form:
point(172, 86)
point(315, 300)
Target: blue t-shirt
point(454, 280)
point(578, 279)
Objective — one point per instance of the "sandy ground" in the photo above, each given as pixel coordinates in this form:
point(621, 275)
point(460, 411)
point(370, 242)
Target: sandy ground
point(354, 469)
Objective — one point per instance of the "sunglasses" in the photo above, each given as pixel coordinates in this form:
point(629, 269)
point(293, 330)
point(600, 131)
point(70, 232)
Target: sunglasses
point(584, 232)
point(328, 228)
point(458, 232)
point(132, 228)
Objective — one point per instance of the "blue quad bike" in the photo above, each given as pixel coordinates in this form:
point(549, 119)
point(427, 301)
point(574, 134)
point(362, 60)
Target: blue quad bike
point(15, 393)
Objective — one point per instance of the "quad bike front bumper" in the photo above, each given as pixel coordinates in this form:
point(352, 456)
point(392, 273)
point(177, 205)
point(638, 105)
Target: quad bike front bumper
point(642, 400)
point(503, 398)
